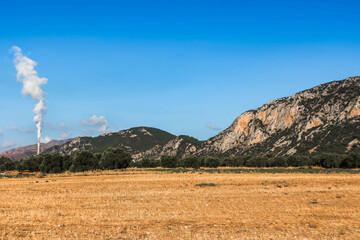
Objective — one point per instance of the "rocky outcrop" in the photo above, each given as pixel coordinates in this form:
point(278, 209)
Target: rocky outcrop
point(305, 121)
point(180, 146)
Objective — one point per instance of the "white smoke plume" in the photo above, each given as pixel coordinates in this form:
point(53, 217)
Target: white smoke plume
point(31, 86)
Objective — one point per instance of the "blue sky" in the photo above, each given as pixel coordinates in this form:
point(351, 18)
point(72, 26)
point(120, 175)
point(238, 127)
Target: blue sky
point(187, 67)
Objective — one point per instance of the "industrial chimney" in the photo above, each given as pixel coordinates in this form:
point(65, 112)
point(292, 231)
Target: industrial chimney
point(38, 149)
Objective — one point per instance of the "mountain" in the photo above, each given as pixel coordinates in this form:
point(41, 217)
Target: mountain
point(133, 140)
point(325, 118)
point(179, 146)
point(30, 150)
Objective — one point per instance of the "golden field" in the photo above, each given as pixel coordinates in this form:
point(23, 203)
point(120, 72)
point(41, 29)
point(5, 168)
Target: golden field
point(155, 205)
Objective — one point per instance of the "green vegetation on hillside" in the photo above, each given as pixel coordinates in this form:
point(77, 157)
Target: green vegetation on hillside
point(133, 140)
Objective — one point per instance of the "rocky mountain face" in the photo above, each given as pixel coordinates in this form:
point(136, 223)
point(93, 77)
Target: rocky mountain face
point(30, 150)
point(323, 118)
point(179, 146)
point(133, 140)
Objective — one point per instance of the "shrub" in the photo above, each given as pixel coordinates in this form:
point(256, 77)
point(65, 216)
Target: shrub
point(115, 158)
point(206, 185)
point(167, 161)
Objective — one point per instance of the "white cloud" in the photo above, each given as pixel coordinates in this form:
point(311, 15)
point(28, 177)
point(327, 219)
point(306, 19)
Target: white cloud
point(45, 139)
point(1, 132)
point(100, 122)
point(64, 136)
point(7, 145)
point(213, 127)
point(19, 130)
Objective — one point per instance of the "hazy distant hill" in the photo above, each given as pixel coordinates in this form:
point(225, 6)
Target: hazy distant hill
point(30, 150)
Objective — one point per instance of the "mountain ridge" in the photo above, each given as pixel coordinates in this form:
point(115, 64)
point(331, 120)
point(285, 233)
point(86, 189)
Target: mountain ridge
point(327, 105)
point(323, 118)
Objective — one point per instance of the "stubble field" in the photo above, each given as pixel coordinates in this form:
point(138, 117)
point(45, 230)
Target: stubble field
point(159, 205)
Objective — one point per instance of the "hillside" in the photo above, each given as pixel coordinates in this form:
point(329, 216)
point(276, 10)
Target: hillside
point(179, 146)
point(30, 150)
point(133, 140)
point(323, 118)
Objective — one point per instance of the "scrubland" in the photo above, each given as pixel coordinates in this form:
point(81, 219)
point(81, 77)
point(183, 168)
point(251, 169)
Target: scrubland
point(192, 205)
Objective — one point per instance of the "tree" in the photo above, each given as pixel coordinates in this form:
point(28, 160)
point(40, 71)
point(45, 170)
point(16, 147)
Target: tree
point(279, 162)
point(84, 161)
point(148, 163)
point(67, 162)
point(52, 163)
point(331, 160)
point(190, 161)
point(115, 158)
point(167, 161)
point(6, 164)
point(294, 161)
point(212, 162)
point(31, 164)
point(351, 160)
point(236, 161)
point(257, 161)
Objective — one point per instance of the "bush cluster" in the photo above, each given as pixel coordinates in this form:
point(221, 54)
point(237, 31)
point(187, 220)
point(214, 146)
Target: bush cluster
point(112, 158)
point(326, 160)
point(189, 161)
point(116, 158)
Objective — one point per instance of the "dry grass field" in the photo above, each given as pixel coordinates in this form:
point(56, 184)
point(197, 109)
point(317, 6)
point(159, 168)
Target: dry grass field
point(160, 205)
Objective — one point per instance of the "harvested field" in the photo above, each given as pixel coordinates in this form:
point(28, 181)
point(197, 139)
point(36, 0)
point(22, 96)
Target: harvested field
point(191, 205)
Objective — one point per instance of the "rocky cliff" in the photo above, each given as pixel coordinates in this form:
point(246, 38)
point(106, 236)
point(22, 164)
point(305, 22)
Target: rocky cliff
point(179, 146)
point(323, 118)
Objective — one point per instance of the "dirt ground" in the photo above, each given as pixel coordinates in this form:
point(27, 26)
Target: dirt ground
point(156, 205)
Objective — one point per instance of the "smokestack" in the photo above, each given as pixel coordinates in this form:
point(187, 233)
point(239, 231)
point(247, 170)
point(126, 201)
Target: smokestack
point(31, 86)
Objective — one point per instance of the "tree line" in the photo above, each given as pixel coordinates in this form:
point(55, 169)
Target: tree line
point(112, 158)
point(325, 160)
point(116, 158)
